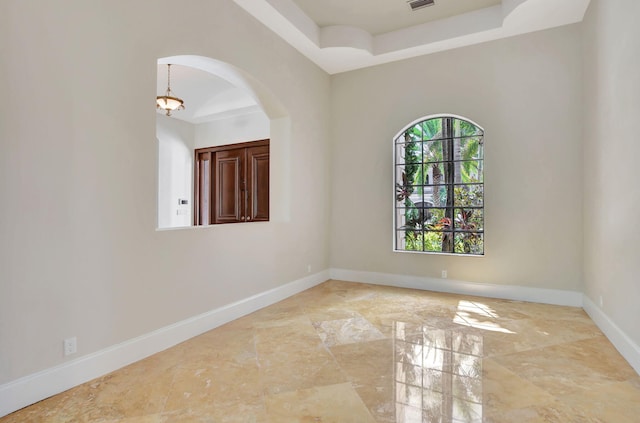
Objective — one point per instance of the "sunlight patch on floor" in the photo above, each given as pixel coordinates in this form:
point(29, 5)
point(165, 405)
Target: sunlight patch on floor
point(468, 314)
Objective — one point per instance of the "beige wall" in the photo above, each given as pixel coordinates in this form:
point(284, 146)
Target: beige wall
point(79, 253)
point(611, 200)
point(526, 93)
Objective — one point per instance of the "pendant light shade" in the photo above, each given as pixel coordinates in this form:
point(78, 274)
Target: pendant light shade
point(169, 102)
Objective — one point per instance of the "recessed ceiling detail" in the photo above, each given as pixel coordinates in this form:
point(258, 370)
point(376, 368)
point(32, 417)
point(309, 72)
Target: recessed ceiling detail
point(343, 35)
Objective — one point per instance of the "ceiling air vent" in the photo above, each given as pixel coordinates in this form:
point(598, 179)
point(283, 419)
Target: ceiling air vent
point(419, 4)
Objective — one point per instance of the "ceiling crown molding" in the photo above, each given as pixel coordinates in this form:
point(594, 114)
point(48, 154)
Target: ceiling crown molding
point(341, 48)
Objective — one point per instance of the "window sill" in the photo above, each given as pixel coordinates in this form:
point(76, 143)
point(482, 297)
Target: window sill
point(200, 227)
point(435, 253)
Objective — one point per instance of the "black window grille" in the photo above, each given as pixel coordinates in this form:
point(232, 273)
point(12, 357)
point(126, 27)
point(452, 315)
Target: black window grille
point(439, 187)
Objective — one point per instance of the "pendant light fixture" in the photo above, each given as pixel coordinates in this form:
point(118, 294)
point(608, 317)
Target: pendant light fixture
point(169, 101)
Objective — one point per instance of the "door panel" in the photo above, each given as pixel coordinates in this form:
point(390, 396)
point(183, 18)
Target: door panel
point(228, 189)
point(202, 200)
point(258, 183)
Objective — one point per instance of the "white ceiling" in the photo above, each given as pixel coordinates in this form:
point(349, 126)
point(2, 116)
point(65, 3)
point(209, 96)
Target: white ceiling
point(343, 35)
point(206, 96)
point(380, 16)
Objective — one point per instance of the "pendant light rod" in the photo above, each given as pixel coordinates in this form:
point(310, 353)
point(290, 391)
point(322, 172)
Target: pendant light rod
point(169, 102)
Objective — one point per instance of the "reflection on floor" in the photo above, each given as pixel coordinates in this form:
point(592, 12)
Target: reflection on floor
point(345, 352)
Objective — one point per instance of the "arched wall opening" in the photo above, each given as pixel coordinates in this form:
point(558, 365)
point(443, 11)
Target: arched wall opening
point(178, 139)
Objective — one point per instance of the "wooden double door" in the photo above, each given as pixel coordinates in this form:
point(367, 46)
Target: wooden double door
point(232, 183)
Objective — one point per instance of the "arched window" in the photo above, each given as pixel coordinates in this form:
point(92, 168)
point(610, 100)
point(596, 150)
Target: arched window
point(439, 187)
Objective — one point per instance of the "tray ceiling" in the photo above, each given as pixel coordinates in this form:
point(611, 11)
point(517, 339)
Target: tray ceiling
point(343, 35)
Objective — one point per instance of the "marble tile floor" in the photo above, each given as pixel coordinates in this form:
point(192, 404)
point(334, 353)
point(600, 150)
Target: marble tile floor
point(356, 353)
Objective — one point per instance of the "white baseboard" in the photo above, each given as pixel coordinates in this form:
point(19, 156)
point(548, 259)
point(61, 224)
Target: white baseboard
point(38, 386)
point(509, 292)
point(625, 345)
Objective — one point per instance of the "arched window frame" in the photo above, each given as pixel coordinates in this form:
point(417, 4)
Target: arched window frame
point(439, 186)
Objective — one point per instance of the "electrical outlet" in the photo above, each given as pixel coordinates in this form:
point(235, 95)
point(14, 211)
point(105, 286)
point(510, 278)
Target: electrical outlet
point(70, 346)
point(601, 301)
point(444, 274)
point(308, 268)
